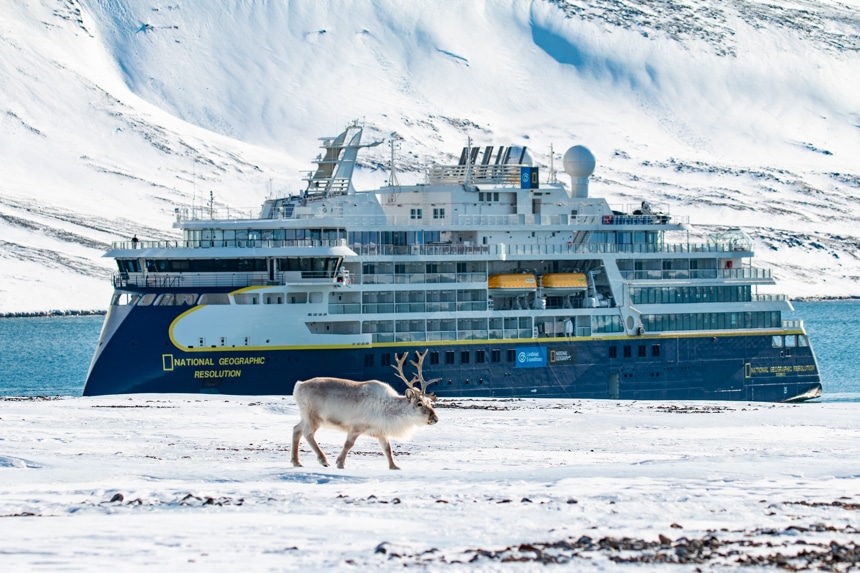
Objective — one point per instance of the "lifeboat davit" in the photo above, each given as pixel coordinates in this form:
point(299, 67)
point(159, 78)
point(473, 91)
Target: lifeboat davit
point(512, 284)
point(564, 282)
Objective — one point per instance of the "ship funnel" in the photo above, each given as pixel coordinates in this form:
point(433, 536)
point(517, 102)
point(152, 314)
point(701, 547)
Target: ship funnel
point(579, 164)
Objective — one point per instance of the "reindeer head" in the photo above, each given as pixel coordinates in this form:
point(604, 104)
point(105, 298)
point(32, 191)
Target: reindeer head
point(418, 396)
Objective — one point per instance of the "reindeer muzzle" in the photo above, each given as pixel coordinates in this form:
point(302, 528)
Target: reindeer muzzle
point(432, 419)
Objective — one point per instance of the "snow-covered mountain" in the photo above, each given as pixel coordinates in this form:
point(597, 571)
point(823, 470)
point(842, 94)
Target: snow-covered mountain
point(113, 113)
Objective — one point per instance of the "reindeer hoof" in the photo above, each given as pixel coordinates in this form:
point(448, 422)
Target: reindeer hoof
point(296, 464)
point(340, 466)
point(393, 468)
point(324, 463)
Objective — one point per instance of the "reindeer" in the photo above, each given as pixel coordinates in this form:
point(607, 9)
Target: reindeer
point(372, 407)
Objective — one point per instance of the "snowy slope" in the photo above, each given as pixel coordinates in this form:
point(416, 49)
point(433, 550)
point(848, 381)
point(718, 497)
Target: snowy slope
point(112, 113)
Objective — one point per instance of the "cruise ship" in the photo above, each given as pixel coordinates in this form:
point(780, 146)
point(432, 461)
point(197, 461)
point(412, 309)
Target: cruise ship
point(517, 285)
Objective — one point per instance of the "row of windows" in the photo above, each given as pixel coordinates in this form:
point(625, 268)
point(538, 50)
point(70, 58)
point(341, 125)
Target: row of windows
point(414, 267)
point(683, 295)
point(665, 264)
point(642, 351)
point(624, 237)
point(396, 238)
point(242, 235)
point(190, 299)
point(790, 341)
point(451, 357)
point(604, 323)
point(711, 321)
point(325, 265)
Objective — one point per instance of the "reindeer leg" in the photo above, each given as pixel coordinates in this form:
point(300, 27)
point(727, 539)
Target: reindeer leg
point(309, 432)
point(297, 435)
point(351, 437)
point(386, 448)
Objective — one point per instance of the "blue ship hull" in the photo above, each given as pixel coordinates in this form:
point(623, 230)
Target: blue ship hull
point(135, 355)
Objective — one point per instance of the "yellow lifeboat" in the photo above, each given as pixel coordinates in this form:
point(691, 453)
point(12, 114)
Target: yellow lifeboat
point(514, 283)
point(564, 282)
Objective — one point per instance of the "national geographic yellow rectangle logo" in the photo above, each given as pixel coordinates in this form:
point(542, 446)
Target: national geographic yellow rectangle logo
point(167, 362)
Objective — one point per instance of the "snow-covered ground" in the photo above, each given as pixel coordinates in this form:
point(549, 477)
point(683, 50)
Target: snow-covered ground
point(188, 482)
point(113, 113)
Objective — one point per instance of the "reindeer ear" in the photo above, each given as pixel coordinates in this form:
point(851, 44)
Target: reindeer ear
point(410, 394)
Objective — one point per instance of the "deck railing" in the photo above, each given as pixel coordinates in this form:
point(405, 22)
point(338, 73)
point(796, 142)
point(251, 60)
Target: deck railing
point(656, 275)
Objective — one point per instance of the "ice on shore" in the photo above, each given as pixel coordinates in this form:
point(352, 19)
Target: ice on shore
point(165, 482)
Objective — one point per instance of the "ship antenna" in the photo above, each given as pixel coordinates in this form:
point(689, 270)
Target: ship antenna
point(193, 185)
point(468, 159)
point(392, 181)
point(551, 178)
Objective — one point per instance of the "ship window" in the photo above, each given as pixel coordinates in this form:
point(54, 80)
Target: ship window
point(274, 299)
point(128, 265)
point(439, 213)
point(496, 355)
point(368, 360)
point(613, 352)
point(512, 355)
point(777, 341)
point(215, 298)
point(434, 358)
point(246, 298)
point(297, 298)
point(147, 299)
point(464, 357)
point(642, 351)
point(185, 298)
point(628, 352)
point(479, 356)
point(385, 359)
point(449, 357)
point(791, 341)
point(802, 341)
point(415, 214)
point(164, 300)
point(124, 299)
point(655, 350)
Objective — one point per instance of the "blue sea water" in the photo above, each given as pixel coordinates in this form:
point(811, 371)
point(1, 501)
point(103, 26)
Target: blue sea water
point(49, 356)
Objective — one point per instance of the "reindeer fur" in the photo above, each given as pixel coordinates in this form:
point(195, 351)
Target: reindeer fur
point(372, 408)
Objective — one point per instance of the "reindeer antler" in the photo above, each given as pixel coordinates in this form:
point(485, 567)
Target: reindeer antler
point(420, 375)
point(399, 368)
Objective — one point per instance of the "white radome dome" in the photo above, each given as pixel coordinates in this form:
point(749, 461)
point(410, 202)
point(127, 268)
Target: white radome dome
point(578, 162)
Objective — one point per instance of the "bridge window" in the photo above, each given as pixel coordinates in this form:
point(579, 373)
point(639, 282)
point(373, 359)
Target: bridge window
point(215, 298)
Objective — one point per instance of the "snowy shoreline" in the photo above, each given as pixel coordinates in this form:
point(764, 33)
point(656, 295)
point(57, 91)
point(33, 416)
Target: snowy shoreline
point(175, 480)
